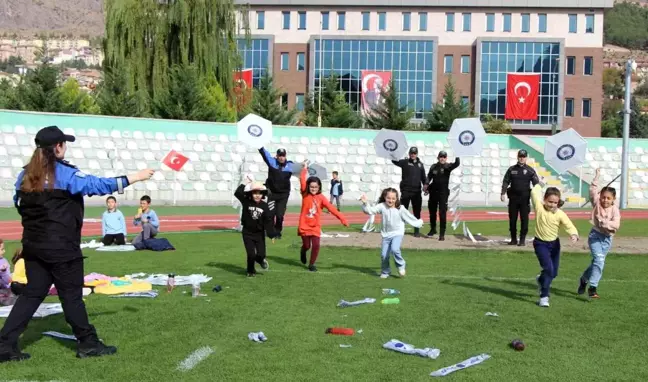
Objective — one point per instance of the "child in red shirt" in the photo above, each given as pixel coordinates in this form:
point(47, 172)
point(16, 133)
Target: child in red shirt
point(310, 227)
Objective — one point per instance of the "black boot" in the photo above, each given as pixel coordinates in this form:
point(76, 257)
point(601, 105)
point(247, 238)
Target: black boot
point(432, 232)
point(93, 348)
point(442, 236)
point(13, 355)
point(303, 256)
point(522, 241)
point(417, 232)
point(513, 239)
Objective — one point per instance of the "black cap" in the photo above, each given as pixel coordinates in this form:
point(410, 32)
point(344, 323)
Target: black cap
point(281, 152)
point(51, 135)
point(413, 150)
point(522, 154)
point(442, 154)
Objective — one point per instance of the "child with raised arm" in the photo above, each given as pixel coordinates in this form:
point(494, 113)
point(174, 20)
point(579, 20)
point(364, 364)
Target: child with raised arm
point(394, 217)
point(605, 220)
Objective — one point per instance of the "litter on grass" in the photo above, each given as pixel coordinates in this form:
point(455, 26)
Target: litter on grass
point(345, 304)
point(460, 366)
point(492, 314)
point(404, 348)
point(195, 358)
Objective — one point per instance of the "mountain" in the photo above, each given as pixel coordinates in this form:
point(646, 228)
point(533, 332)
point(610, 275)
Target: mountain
point(28, 18)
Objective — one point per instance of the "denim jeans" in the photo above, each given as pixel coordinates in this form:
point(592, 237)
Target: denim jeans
point(600, 245)
point(548, 254)
point(391, 244)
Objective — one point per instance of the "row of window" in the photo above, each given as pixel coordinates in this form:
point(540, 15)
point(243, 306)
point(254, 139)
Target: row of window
point(299, 101)
point(525, 21)
point(588, 66)
point(448, 64)
point(301, 61)
point(586, 107)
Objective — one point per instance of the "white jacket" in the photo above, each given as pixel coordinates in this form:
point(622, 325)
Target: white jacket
point(393, 219)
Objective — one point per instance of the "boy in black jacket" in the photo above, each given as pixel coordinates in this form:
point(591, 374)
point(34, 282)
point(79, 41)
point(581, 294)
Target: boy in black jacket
point(256, 220)
point(336, 190)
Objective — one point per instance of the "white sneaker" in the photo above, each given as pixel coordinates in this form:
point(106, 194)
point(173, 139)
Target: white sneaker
point(401, 272)
point(544, 302)
point(384, 275)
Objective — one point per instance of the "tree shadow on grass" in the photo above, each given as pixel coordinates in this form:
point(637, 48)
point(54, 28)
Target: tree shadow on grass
point(355, 268)
point(231, 268)
point(534, 286)
point(525, 297)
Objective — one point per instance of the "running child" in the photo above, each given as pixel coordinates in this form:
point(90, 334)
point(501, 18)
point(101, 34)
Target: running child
point(310, 226)
point(606, 220)
point(256, 222)
point(549, 218)
point(394, 217)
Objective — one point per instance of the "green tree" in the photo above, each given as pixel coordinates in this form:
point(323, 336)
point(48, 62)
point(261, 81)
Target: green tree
point(642, 89)
point(265, 103)
point(8, 96)
point(494, 125)
point(114, 98)
point(638, 121)
point(336, 111)
point(626, 24)
point(613, 83)
point(214, 105)
point(76, 101)
point(150, 37)
point(450, 108)
point(611, 127)
point(389, 114)
point(39, 90)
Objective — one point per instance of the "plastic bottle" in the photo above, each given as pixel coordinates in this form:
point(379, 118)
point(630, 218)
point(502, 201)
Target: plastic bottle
point(390, 292)
point(195, 290)
point(390, 301)
point(340, 331)
point(170, 282)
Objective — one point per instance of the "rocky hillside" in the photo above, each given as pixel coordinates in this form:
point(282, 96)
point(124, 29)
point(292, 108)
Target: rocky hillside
point(31, 17)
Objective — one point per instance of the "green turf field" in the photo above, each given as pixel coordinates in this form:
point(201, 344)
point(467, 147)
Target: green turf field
point(443, 301)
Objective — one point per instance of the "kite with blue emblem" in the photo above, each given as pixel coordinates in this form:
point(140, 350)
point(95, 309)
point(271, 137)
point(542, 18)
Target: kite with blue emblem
point(467, 137)
point(565, 150)
point(254, 131)
point(390, 144)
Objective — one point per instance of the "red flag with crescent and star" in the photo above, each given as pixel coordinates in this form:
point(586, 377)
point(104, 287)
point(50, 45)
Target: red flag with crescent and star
point(373, 83)
point(243, 87)
point(174, 160)
point(522, 94)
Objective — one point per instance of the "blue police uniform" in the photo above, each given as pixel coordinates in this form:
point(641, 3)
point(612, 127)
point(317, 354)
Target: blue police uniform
point(278, 184)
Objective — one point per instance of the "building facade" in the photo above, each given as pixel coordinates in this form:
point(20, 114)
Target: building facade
point(424, 43)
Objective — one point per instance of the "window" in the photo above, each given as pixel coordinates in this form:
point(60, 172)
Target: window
point(286, 19)
point(382, 21)
point(589, 23)
point(450, 21)
point(465, 64)
point(260, 20)
point(542, 23)
point(302, 20)
point(506, 25)
point(587, 107)
point(423, 21)
point(526, 23)
point(447, 64)
point(299, 102)
point(465, 100)
point(341, 20)
point(573, 23)
point(283, 102)
point(467, 18)
point(588, 66)
point(255, 55)
point(571, 65)
point(325, 21)
point(366, 18)
point(490, 22)
point(407, 21)
point(285, 61)
point(569, 107)
point(301, 61)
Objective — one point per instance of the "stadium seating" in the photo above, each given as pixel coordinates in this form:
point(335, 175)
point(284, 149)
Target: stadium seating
point(110, 146)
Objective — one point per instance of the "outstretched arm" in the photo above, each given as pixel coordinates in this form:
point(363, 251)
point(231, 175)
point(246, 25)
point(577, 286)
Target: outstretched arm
point(267, 158)
point(326, 204)
point(79, 182)
point(455, 164)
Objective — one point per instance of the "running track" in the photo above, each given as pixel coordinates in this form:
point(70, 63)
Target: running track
point(12, 230)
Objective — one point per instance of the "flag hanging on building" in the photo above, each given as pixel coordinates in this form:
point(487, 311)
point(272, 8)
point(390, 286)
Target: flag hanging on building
point(373, 83)
point(174, 160)
point(243, 87)
point(522, 95)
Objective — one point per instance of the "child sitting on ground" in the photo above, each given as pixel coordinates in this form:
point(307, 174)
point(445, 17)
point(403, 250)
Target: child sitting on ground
point(113, 224)
point(19, 276)
point(147, 219)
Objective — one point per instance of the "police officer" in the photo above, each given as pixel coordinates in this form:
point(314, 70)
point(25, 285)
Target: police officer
point(412, 178)
point(278, 183)
point(518, 177)
point(49, 198)
point(439, 178)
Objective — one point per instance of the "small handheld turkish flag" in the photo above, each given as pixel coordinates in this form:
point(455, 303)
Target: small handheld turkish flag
point(174, 160)
point(522, 93)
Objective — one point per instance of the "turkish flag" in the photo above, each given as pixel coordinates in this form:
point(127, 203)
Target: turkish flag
point(522, 94)
point(373, 83)
point(243, 87)
point(174, 160)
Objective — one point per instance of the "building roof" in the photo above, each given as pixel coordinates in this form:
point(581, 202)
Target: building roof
point(589, 4)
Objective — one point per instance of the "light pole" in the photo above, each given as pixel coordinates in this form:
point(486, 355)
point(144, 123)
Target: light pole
point(630, 67)
point(319, 87)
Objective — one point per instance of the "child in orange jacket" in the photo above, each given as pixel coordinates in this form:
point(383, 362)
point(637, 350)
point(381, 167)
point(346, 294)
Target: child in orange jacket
point(310, 227)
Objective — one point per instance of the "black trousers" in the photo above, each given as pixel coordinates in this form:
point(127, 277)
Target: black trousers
point(68, 279)
point(280, 204)
point(255, 247)
point(415, 198)
point(519, 206)
point(117, 238)
point(438, 200)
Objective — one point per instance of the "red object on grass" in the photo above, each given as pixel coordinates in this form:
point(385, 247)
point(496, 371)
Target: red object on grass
point(340, 331)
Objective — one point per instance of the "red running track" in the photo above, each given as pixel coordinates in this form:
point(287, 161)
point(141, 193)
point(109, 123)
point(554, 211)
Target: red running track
point(12, 230)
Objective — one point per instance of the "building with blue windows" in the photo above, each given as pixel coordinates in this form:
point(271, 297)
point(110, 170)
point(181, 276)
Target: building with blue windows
point(425, 46)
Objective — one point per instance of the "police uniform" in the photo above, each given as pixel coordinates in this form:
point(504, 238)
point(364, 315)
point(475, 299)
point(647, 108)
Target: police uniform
point(439, 179)
point(516, 187)
point(278, 184)
point(52, 222)
point(412, 178)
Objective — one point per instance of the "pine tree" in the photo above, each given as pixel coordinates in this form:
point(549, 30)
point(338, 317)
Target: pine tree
point(76, 101)
point(390, 114)
point(336, 112)
point(638, 121)
point(450, 108)
point(265, 103)
point(114, 98)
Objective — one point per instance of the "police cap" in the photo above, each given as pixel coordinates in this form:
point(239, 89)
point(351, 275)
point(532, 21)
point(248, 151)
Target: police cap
point(51, 135)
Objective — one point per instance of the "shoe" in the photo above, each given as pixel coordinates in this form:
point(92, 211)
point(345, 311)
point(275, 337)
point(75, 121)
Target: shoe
point(513, 242)
point(582, 286)
point(312, 268)
point(249, 274)
point(431, 233)
point(401, 272)
point(384, 275)
point(417, 232)
point(303, 256)
point(14, 355)
point(441, 237)
point(521, 243)
point(544, 302)
point(265, 265)
point(94, 348)
point(591, 291)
